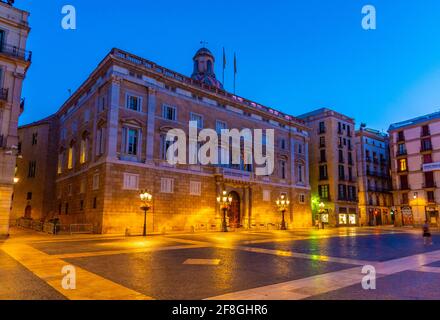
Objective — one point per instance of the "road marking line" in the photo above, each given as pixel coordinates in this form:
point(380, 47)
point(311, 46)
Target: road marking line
point(125, 251)
point(89, 286)
point(323, 283)
point(428, 269)
point(209, 262)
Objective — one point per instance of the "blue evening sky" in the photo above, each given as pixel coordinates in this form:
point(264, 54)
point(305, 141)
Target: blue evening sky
point(293, 55)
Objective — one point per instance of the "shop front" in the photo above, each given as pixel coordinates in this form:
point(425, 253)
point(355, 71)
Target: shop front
point(432, 215)
point(407, 216)
point(347, 217)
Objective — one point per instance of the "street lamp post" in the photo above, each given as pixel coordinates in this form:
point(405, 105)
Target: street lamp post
point(225, 203)
point(146, 200)
point(283, 204)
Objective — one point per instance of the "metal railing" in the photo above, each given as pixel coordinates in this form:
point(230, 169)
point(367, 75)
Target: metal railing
point(54, 228)
point(16, 52)
point(81, 228)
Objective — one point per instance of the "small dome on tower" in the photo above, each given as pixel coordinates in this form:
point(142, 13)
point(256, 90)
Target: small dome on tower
point(204, 68)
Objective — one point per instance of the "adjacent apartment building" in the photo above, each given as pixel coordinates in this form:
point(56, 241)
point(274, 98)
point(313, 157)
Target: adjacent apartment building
point(374, 180)
point(111, 143)
point(332, 158)
point(415, 169)
point(14, 63)
point(34, 174)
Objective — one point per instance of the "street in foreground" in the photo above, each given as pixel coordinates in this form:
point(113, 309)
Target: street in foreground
point(306, 264)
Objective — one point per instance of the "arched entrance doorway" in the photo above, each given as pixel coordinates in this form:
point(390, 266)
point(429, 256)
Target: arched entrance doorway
point(234, 211)
point(28, 212)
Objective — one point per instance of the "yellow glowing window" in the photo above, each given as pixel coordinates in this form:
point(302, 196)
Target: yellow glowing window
point(402, 165)
point(70, 158)
point(83, 153)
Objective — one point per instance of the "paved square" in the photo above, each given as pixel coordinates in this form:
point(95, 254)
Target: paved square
point(301, 264)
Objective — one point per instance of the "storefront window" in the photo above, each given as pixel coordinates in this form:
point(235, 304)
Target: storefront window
point(342, 218)
point(352, 219)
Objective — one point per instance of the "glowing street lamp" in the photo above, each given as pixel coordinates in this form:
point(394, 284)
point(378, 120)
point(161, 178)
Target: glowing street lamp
point(16, 180)
point(283, 204)
point(146, 200)
point(225, 203)
point(321, 207)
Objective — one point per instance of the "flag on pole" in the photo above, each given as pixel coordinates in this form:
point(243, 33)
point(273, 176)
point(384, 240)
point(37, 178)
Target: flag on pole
point(224, 65)
point(235, 69)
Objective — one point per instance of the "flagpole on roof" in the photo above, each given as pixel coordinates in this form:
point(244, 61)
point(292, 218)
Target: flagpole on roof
point(235, 69)
point(224, 66)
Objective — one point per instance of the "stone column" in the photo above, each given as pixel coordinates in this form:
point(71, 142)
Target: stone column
point(151, 124)
point(113, 118)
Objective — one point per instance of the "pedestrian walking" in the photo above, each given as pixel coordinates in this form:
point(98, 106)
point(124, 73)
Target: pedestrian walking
point(427, 237)
point(317, 222)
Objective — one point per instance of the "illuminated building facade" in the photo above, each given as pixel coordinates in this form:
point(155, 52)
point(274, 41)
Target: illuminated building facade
point(374, 180)
point(415, 164)
point(111, 144)
point(14, 63)
point(333, 175)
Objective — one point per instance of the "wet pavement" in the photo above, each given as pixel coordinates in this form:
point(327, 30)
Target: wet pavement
point(302, 264)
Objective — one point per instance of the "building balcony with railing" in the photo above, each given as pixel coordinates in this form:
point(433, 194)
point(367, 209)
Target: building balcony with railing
point(429, 185)
point(15, 52)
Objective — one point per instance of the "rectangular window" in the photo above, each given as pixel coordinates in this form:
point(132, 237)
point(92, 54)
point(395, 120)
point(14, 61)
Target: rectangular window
point(60, 163)
point(34, 138)
point(322, 142)
point(427, 158)
point(266, 195)
point(166, 185)
point(300, 173)
point(283, 169)
point(32, 169)
point(131, 181)
point(425, 131)
point(323, 174)
point(405, 199)
point(134, 103)
point(429, 180)
point(431, 197)
point(69, 190)
point(195, 188)
point(404, 183)
point(300, 148)
point(164, 145)
point(322, 156)
point(197, 118)
point(82, 186)
point(100, 141)
point(220, 125)
point(323, 191)
point(321, 127)
point(169, 112)
point(96, 181)
point(302, 198)
point(283, 144)
point(130, 140)
point(29, 196)
point(403, 165)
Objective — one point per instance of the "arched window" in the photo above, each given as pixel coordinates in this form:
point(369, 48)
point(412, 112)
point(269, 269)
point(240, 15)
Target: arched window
point(71, 156)
point(209, 66)
point(83, 156)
